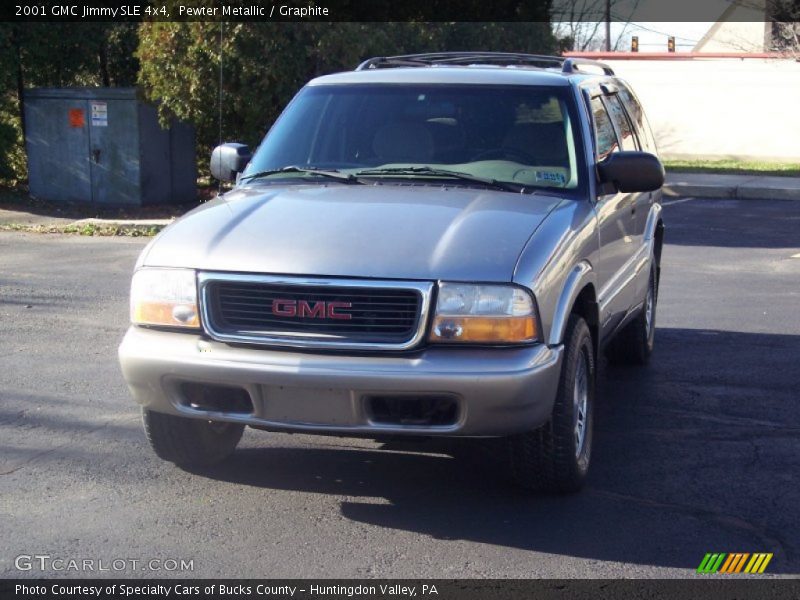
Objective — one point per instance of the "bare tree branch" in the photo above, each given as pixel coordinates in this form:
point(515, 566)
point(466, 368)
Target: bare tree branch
point(579, 22)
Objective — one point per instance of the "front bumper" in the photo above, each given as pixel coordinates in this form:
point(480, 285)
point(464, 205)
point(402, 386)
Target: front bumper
point(498, 391)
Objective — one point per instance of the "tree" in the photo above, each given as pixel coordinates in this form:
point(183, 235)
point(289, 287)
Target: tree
point(785, 17)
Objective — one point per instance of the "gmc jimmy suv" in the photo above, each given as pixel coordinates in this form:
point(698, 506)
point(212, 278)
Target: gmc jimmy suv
point(430, 245)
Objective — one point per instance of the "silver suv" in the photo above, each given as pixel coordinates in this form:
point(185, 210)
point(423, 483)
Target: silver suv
point(430, 245)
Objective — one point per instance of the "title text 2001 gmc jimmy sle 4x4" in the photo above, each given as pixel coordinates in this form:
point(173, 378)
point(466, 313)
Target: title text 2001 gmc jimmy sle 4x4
point(430, 245)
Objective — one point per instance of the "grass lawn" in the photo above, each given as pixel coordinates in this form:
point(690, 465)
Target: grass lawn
point(733, 167)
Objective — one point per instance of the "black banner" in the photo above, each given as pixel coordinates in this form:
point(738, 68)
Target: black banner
point(712, 587)
point(374, 10)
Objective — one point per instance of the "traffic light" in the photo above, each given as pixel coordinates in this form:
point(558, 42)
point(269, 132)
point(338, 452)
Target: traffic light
point(671, 44)
point(634, 43)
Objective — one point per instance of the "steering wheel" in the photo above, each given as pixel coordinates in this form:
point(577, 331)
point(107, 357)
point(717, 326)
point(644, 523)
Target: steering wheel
point(510, 153)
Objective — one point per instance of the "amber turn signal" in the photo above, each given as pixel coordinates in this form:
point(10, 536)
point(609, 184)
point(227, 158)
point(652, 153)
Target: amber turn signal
point(488, 330)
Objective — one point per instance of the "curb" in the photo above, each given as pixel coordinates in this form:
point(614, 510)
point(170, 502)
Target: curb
point(716, 192)
point(733, 188)
point(675, 190)
point(754, 193)
point(123, 223)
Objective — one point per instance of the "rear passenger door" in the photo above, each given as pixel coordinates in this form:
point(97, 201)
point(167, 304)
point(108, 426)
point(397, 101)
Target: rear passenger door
point(639, 203)
point(647, 143)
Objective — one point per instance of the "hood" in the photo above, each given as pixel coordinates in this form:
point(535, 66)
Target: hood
point(376, 231)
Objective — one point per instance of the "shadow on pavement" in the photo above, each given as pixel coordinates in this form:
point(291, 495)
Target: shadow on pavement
point(734, 223)
point(688, 460)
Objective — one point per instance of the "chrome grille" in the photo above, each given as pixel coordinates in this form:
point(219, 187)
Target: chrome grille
point(314, 312)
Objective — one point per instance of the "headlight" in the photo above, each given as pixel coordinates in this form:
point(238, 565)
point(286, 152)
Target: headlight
point(489, 314)
point(164, 297)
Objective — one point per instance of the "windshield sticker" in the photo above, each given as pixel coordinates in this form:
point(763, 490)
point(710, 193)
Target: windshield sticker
point(550, 177)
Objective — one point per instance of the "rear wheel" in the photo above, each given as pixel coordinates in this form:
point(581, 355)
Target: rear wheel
point(190, 442)
point(634, 344)
point(555, 457)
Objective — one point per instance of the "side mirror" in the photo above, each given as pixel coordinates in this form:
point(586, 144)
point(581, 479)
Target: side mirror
point(631, 171)
point(228, 160)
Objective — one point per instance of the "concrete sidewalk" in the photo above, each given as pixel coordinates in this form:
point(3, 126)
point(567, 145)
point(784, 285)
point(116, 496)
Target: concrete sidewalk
point(740, 187)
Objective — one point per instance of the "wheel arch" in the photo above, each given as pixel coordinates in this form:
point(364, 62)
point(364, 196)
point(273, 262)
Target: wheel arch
point(658, 239)
point(578, 296)
point(658, 245)
point(654, 229)
point(586, 306)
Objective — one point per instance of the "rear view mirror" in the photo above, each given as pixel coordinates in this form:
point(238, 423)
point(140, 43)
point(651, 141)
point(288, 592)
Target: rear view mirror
point(631, 171)
point(228, 160)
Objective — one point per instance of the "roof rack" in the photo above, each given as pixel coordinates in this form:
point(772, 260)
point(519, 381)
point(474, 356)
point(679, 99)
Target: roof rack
point(571, 65)
point(460, 58)
point(541, 61)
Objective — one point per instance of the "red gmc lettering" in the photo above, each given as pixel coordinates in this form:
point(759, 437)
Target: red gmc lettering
point(332, 314)
point(305, 310)
point(284, 308)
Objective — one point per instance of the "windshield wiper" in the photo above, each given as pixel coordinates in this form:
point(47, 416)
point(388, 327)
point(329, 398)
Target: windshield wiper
point(431, 172)
point(331, 173)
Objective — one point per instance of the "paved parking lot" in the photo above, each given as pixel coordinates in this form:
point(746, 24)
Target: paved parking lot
point(699, 452)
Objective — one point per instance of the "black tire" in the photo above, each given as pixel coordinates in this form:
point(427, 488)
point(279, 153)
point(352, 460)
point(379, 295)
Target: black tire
point(190, 442)
point(633, 345)
point(554, 458)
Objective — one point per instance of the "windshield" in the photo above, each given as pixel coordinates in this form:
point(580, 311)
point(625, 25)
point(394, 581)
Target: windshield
point(521, 135)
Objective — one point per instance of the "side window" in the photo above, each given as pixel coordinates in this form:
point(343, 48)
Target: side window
point(604, 134)
point(637, 115)
point(628, 138)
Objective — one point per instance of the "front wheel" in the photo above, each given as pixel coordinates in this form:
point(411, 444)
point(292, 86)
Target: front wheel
point(555, 457)
point(190, 442)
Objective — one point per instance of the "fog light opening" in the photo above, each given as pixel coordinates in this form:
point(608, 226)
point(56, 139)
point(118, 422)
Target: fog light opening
point(216, 398)
point(420, 411)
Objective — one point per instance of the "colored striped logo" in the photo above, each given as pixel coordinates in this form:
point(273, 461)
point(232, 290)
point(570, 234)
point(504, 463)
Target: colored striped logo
point(737, 562)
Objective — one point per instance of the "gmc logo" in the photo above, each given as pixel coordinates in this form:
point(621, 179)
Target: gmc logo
point(304, 310)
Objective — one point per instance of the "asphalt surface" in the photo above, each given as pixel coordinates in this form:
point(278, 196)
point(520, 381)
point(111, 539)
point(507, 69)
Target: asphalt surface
point(698, 452)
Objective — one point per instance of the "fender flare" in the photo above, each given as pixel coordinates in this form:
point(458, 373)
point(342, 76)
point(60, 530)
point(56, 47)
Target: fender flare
point(653, 219)
point(653, 253)
point(580, 275)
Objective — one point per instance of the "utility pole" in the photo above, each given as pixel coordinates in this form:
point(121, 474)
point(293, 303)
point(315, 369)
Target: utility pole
point(608, 25)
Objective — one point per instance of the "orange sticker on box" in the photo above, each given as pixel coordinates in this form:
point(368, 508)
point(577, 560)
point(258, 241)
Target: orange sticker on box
point(77, 117)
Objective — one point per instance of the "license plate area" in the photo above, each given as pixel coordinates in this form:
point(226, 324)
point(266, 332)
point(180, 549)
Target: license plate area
point(313, 406)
